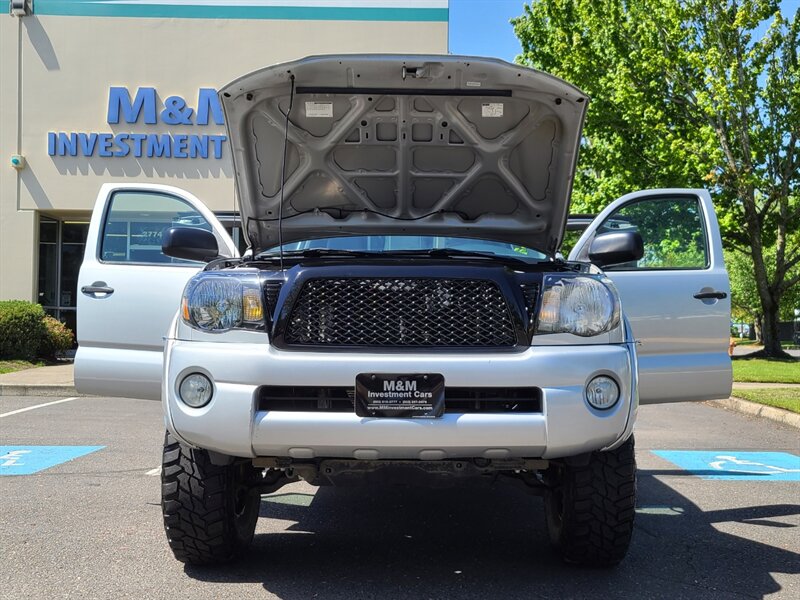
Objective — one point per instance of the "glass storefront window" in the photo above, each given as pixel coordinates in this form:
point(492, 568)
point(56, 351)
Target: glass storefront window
point(71, 257)
point(61, 246)
point(48, 262)
point(73, 241)
point(74, 232)
point(70, 319)
point(48, 230)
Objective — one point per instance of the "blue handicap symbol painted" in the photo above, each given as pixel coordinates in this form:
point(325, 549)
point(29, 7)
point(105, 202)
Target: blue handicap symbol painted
point(25, 460)
point(730, 464)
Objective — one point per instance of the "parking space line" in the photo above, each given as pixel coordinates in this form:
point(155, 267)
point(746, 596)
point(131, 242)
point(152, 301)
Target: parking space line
point(26, 409)
point(154, 472)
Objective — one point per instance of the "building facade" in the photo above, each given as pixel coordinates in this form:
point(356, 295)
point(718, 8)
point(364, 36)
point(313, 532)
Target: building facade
point(98, 91)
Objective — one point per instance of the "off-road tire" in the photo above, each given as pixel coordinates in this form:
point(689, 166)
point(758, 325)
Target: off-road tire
point(590, 506)
point(209, 513)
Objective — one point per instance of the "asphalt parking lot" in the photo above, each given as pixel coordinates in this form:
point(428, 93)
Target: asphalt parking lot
point(91, 527)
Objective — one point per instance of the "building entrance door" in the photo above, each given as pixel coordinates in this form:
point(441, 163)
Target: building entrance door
point(61, 245)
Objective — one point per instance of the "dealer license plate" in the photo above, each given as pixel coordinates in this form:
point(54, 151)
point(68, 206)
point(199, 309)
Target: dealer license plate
point(417, 396)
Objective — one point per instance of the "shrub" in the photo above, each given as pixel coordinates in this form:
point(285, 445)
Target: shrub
point(57, 338)
point(22, 329)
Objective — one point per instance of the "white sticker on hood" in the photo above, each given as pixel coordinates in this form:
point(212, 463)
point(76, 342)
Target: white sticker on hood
point(492, 109)
point(319, 110)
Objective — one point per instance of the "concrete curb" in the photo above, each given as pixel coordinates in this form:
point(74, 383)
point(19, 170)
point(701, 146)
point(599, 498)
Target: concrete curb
point(39, 389)
point(759, 410)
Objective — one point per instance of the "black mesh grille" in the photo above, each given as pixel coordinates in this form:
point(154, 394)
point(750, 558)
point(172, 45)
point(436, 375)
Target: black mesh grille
point(531, 293)
point(401, 312)
point(271, 291)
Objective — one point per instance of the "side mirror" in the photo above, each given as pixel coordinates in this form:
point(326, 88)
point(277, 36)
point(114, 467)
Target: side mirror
point(616, 247)
point(190, 243)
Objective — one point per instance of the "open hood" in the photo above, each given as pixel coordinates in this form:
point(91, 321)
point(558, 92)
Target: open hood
point(395, 144)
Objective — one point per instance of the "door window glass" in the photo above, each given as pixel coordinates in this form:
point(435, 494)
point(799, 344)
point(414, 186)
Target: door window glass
point(136, 222)
point(672, 230)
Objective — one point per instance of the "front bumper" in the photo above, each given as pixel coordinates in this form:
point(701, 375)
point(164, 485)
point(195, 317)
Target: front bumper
point(232, 424)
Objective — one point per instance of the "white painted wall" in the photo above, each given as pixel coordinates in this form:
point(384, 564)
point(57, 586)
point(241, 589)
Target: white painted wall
point(55, 74)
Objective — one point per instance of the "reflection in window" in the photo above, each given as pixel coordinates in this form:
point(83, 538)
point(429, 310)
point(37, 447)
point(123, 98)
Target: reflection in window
point(672, 231)
point(136, 222)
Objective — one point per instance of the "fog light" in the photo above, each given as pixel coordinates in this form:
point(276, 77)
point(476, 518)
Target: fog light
point(196, 390)
point(602, 392)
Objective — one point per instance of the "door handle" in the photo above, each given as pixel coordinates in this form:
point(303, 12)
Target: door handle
point(713, 295)
point(98, 287)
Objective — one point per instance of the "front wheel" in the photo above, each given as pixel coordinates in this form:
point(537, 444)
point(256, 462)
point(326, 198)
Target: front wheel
point(210, 511)
point(590, 506)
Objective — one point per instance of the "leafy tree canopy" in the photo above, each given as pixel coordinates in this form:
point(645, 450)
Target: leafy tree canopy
point(687, 93)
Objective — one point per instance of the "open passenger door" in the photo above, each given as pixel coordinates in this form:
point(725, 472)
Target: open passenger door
point(676, 297)
point(130, 290)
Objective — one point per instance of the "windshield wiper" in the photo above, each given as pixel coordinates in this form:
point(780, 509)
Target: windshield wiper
point(454, 253)
point(430, 252)
point(314, 253)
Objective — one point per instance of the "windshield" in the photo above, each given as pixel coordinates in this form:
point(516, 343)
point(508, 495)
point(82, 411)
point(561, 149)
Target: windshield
point(412, 243)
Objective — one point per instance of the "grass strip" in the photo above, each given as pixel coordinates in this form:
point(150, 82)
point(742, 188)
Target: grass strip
point(9, 366)
point(762, 370)
point(785, 398)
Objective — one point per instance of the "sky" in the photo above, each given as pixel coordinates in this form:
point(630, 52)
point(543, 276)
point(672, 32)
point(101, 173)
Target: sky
point(482, 28)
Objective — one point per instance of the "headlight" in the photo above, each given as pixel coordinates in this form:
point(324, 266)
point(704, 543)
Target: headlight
point(220, 301)
point(578, 305)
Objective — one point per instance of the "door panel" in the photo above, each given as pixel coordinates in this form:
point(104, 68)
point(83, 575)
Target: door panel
point(129, 291)
point(683, 340)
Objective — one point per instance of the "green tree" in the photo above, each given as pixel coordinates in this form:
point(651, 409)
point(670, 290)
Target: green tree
point(685, 94)
point(745, 304)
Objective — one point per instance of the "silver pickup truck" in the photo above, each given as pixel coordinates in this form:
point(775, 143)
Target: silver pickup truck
point(402, 311)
